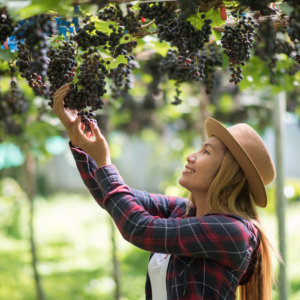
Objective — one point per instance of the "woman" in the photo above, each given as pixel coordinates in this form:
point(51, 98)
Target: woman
point(209, 247)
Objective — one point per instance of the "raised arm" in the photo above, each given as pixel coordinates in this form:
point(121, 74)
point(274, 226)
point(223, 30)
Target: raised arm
point(223, 238)
point(155, 204)
point(87, 165)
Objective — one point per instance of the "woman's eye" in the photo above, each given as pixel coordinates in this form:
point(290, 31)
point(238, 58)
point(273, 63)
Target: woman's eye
point(205, 151)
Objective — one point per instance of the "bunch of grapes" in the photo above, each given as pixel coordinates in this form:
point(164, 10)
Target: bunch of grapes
point(160, 12)
point(270, 43)
point(177, 100)
point(32, 55)
point(62, 66)
point(6, 26)
point(293, 28)
point(213, 60)
point(23, 63)
point(183, 35)
point(188, 6)
point(169, 65)
point(263, 6)
point(88, 36)
point(122, 76)
point(237, 42)
point(13, 105)
point(129, 21)
point(89, 88)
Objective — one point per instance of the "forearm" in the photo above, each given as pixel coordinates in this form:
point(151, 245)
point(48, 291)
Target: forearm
point(87, 168)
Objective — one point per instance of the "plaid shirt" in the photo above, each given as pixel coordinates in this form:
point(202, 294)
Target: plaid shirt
point(209, 255)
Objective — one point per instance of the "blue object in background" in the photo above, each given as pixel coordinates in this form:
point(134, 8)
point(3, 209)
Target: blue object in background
point(63, 27)
point(10, 156)
point(56, 145)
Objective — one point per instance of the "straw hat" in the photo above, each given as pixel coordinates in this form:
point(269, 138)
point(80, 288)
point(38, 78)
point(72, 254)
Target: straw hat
point(249, 150)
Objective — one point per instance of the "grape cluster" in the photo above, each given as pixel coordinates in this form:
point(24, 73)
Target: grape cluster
point(188, 6)
point(62, 66)
point(195, 65)
point(177, 99)
point(35, 31)
point(6, 26)
point(169, 65)
point(263, 6)
point(181, 34)
point(90, 85)
point(129, 21)
point(122, 76)
point(23, 63)
point(270, 43)
point(88, 36)
point(237, 42)
point(160, 12)
point(214, 59)
point(293, 28)
point(85, 95)
point(13, 105)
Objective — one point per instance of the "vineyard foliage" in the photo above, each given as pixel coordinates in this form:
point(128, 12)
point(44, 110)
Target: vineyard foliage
point(140, 59)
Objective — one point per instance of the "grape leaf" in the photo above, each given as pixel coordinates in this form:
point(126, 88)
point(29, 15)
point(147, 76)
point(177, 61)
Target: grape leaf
point(114, 62)
point(161, 48)
point(6, 55)
point(213, 14)
point(285, 8)
point(103, 25)
point(38, 7)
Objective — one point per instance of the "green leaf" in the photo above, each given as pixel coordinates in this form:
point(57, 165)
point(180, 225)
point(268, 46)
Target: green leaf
point(6, 55)
point(3, 3)
point(114, 62)
point(161, 48)
point(38, 7)
point(213, 14)
point(225, 103)
point(196, 20)
point(285, 8)
point(103, 25)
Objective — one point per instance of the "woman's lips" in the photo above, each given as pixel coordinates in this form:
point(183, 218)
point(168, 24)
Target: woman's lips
point(188, 170)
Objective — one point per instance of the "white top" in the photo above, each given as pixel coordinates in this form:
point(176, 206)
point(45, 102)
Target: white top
point(157, 270)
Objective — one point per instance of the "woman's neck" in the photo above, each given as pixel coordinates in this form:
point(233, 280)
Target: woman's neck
point(201, 202)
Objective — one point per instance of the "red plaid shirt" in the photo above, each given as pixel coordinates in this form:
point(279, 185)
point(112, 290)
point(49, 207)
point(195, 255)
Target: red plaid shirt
point(209, 255)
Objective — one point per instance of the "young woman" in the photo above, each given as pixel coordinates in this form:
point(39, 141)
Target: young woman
point(208, 247)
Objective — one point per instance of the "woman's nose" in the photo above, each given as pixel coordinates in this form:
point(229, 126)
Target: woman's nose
point(191, 159)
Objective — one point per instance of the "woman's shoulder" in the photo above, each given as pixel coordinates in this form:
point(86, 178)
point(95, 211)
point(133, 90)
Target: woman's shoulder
point(235, 222)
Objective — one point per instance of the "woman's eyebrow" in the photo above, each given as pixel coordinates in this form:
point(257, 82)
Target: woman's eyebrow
point(208, 144)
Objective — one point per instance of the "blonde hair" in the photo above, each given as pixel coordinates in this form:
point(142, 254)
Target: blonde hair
point(229, 193)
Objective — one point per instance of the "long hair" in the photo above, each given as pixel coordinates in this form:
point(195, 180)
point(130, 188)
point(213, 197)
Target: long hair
point(229, 193)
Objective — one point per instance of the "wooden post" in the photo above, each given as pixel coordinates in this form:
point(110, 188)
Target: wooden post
point(30, 191)
point(279, 112)
point(116, 269)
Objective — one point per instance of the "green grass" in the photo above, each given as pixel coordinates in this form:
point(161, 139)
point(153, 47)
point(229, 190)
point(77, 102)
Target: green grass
point(74, 251)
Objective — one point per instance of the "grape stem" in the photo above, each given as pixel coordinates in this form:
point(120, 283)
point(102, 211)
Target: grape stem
point(278, 22)
point(147, 25)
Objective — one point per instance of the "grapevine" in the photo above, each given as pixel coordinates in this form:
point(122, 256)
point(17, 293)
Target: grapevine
point(6, 26)
point(99, 58)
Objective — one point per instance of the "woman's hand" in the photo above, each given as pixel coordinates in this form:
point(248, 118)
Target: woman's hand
point(66, 115)
point(94, 143)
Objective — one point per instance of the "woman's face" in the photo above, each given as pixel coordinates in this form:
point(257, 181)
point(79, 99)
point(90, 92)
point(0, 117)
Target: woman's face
point(202, 166)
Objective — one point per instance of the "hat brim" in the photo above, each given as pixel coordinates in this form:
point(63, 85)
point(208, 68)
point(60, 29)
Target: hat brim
point(215, 128)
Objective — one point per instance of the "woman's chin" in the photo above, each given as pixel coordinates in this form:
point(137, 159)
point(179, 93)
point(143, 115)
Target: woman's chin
point(182, 182)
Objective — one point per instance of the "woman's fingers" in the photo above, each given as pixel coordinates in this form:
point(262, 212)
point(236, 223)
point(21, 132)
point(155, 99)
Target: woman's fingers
point(62, 89)
point(96, 131)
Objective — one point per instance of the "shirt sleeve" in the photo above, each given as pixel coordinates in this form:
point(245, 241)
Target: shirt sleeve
point(156, 204)
point(219, 237)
